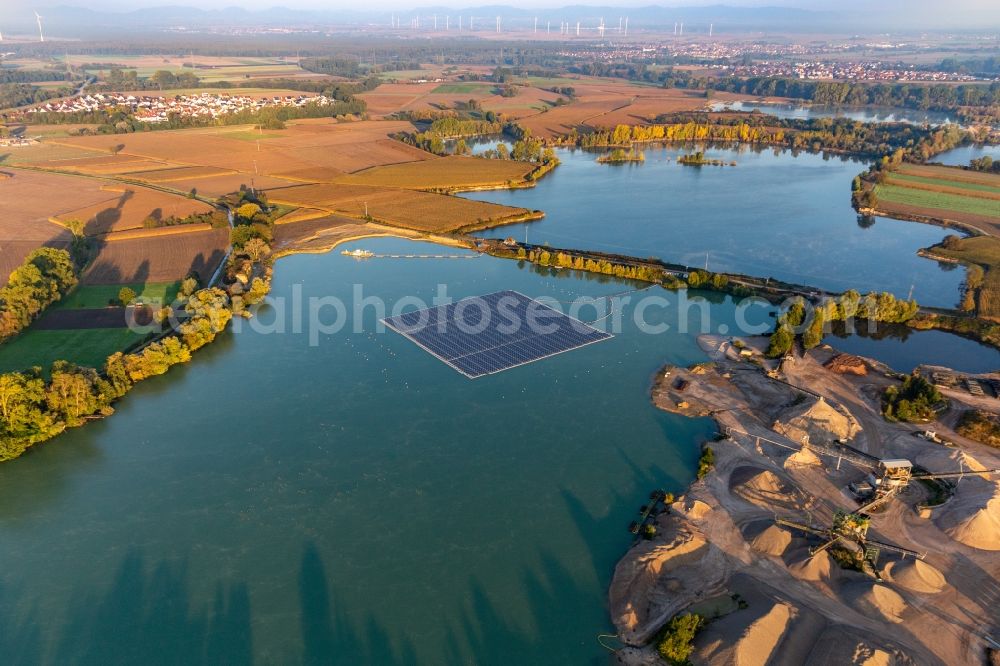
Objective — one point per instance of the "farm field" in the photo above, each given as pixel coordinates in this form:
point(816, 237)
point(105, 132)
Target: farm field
point(951, 193)
point(157, 258)
point(390, 98)
point(84, 346)
point(28, 202)
point(409, 209)
point(444, 173)
point(321, 143)
point(129, 209)
point(100, 295)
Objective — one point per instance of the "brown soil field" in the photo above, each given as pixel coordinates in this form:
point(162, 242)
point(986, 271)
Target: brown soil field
point(111, 317)
point(342, 146)
point(286, 235)
point(389, 98)
point(313, 175)
point(30, 198)
point(129, 209)
point(44, 152)
point(408, 209)
point(27, 201)
point(943, 187)
point(158, 259)
point(562, 119)
point(157, 233)
point(989, 225)
point(301, 215)
point(179, 173)
point(950, 173)
point(444, 173)
point(220, 185)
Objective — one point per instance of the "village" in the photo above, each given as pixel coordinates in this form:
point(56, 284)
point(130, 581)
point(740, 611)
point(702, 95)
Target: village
point(159, 109)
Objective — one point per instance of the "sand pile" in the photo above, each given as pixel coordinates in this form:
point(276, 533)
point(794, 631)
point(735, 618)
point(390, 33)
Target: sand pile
point(882, 601)
point(814, 567)
point(692, 509)
point(972, 516)
point(772, 541)
point(915, 576)
point(802, 457)
point(817, 422)
point(757, 645)
point(865, 655)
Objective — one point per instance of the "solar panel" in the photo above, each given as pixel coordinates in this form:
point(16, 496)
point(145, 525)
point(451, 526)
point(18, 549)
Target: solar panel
point(487, 334)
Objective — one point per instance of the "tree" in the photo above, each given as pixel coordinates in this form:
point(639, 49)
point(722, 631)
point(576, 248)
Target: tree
point(256, 249)
point(126, 295)
point(781, 342)
point(247, 211)
point(675, 644)
point(813, 335)
point(75, 226)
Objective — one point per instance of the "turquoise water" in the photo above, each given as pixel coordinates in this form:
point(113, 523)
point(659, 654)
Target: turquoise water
point(775, 214)
point(357, 501)
point(352, 502)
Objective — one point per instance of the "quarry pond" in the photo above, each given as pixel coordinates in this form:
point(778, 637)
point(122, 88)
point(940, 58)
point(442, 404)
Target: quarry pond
point(361, 502)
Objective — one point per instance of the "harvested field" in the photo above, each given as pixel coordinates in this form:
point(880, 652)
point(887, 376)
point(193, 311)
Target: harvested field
point(562, 119)
point(158, 232)
point(85, 346)
point(301, 215)
point(217, 186)
point(131, 208)
point(104, 165)
point(325, 143)
point(27, 201)
point(445, 173)
point(420, 211)
point(160, 259)
point(179, 173)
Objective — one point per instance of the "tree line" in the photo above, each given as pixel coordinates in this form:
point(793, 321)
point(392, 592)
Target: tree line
point(796, 319)
point(832, 134)
point(45, 276)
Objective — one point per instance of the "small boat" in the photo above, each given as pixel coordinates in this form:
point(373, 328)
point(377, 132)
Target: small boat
point(358, 254)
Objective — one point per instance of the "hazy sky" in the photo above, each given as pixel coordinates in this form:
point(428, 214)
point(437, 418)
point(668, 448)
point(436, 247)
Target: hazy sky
point(986, 8)
point(925, 14)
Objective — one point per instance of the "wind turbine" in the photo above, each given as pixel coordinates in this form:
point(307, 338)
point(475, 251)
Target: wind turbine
point(41, 36)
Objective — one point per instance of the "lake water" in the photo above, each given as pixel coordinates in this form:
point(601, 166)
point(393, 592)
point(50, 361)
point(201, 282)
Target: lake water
point(352, 502)
point(863, 114)
point(962, 155)
point(357, 501)
point(774, 214)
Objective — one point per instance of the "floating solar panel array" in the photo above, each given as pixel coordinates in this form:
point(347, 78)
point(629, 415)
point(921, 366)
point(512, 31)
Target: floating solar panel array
point(487, 334)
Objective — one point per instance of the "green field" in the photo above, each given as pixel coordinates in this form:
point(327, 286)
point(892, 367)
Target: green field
point(86, 346)
point(938, 200)
point(99, 295)
point(976, 187)
point(462, 88)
